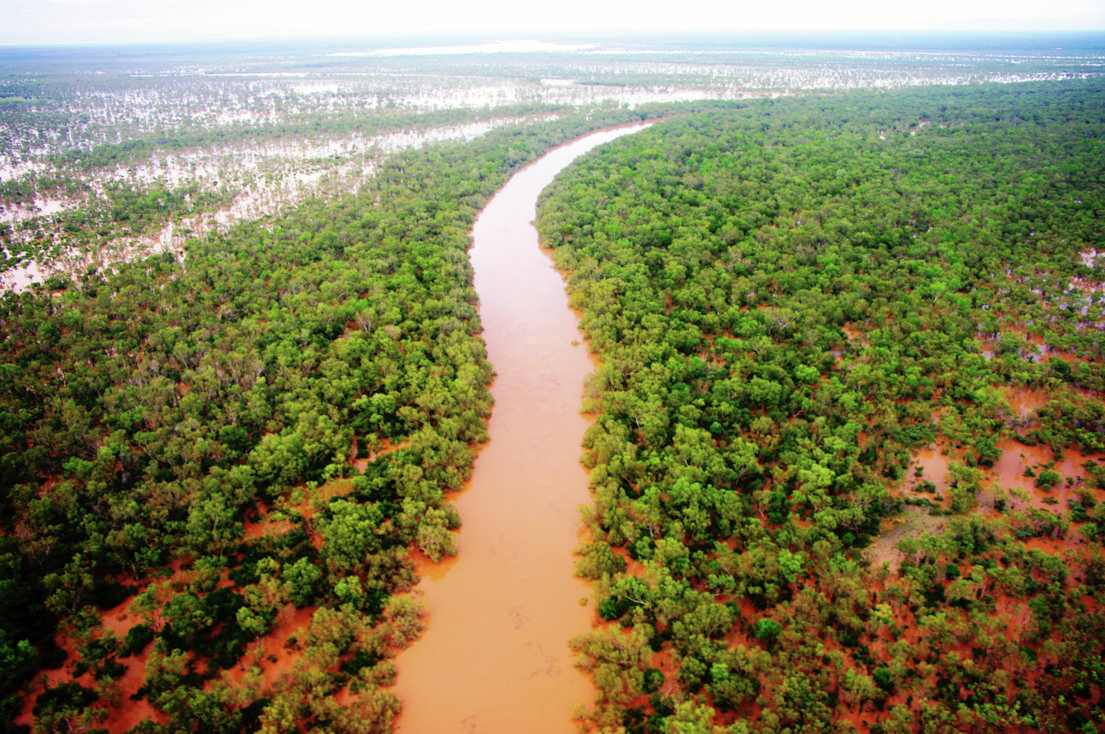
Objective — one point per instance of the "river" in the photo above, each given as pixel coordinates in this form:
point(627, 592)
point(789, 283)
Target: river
point(495, 657)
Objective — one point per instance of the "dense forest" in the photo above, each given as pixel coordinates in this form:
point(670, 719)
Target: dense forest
point(193, 452)
point(795, 302)
point(848, 456)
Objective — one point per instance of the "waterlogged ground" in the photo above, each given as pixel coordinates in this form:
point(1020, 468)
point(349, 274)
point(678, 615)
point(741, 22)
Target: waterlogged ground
point(259, 132)
point(1009, 489)
point(256, 181)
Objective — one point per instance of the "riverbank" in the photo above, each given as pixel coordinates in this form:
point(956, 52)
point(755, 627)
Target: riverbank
point(495, 657)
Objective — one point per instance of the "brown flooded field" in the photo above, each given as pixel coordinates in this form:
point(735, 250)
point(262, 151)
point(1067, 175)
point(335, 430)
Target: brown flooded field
point(1008, 486)
point(495, 657)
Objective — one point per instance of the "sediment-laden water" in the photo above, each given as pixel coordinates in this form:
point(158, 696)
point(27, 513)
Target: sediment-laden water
point(495, 658)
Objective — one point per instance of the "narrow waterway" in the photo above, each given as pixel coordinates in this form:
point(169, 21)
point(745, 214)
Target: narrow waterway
point(495, 657)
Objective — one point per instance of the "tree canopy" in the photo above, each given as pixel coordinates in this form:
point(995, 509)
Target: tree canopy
point(791, 300)
point(148, 416)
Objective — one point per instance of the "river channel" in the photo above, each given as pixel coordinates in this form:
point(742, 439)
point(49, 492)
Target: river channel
point(495, 657)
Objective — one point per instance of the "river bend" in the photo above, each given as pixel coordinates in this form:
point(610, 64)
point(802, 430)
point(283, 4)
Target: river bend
point(495, 657)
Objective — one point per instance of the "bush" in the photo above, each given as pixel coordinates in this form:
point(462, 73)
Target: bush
point(1048, 478)
point(138, 637)
point(767, 631)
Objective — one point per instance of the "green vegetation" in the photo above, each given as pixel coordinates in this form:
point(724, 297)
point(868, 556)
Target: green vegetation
point(147, 415)
point(789, 299)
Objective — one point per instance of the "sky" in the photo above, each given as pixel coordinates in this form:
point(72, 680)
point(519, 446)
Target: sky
point(143, 21)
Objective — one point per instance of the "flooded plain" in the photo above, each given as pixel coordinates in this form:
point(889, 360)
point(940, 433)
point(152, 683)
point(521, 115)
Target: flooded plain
point(495, 657)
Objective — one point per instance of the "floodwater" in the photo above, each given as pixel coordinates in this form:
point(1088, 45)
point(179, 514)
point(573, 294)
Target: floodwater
point(495, 656)
point(1016, 458)
point(269, 179)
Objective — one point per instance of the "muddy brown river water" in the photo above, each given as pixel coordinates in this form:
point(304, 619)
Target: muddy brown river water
point(495, 657)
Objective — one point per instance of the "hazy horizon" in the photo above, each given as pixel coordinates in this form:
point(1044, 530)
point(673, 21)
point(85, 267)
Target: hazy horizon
point(601, 42)
point(115, 22)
